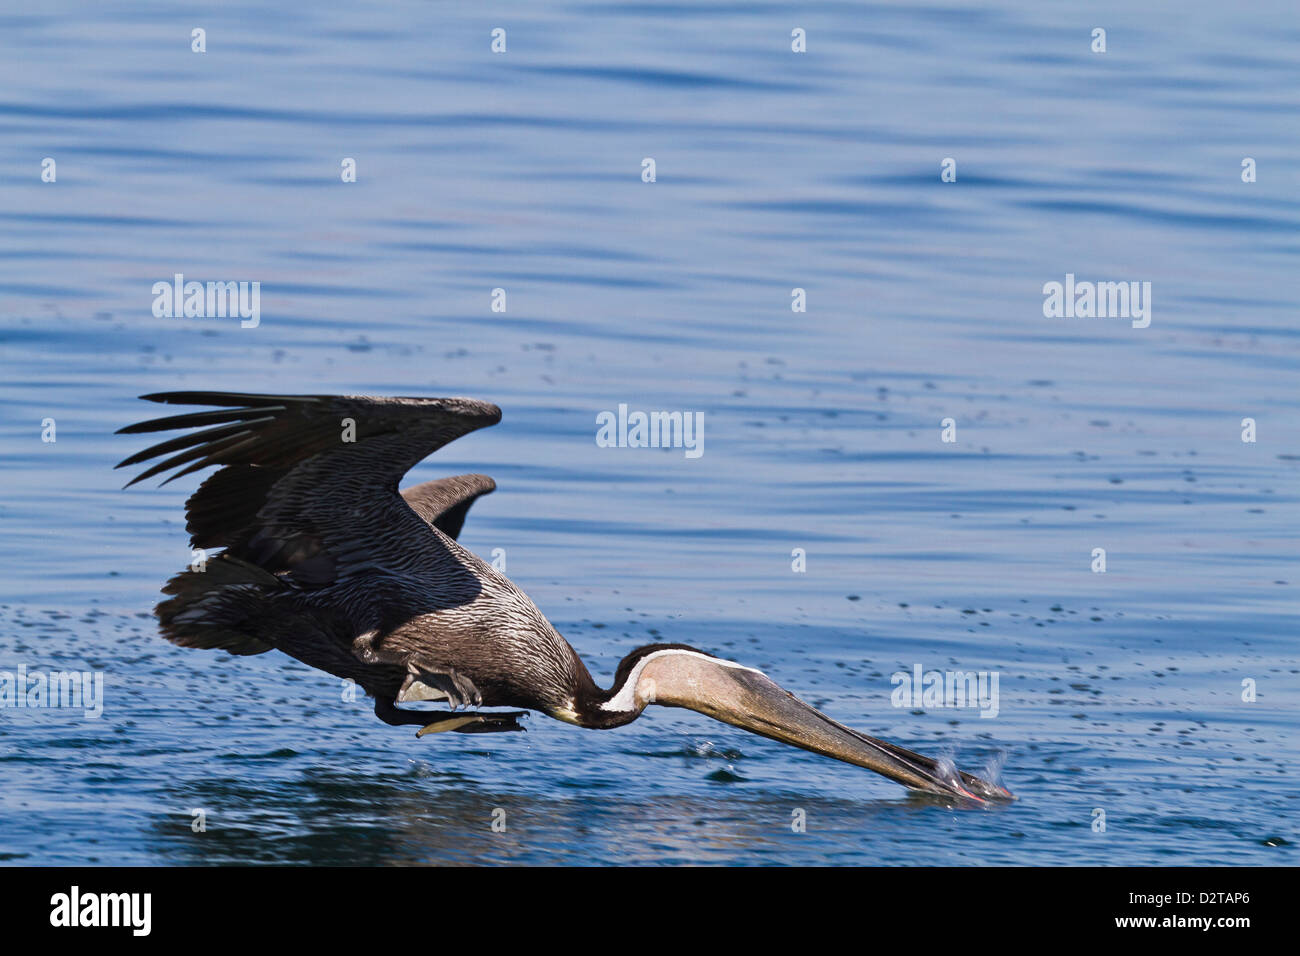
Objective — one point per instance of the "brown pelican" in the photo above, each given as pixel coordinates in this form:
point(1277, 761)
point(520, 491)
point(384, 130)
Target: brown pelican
point(325, 559)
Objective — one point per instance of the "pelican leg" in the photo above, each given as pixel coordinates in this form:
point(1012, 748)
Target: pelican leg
point(394, 717)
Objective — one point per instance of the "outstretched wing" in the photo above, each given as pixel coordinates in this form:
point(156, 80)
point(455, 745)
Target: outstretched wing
point(309, 483)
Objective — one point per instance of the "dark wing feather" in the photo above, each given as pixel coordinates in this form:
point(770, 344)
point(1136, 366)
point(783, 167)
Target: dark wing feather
point(292, 428)
point(309, 483)
point(445, 502)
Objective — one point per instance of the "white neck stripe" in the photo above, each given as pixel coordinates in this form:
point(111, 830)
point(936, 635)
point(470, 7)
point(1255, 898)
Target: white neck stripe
point(625, 699)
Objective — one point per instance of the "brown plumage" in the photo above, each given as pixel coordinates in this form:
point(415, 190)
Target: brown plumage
point(325, 560)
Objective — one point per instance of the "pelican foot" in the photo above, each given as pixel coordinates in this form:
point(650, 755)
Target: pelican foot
point(471, 723)
point(446, 684)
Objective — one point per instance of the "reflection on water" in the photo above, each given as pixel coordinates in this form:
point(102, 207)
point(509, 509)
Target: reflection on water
point(327, 816)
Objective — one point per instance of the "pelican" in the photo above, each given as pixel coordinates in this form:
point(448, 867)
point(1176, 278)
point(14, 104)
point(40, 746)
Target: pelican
point(323, 558)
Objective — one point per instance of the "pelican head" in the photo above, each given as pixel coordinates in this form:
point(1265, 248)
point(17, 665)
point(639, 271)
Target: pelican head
point(674, 675)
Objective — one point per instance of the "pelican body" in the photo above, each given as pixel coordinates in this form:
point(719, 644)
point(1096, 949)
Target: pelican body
point(322, 557)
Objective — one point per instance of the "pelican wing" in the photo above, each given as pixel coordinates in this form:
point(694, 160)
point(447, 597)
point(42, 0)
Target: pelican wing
point(308, 484)
point(445, 502)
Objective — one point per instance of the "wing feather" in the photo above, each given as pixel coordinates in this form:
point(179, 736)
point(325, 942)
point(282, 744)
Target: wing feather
point(309, 482)
point(445, 502)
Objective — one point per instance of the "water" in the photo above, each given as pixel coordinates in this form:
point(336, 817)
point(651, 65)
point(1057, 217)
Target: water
point(1119, 692)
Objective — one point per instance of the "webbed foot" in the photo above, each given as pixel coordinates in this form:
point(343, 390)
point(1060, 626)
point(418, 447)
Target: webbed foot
point(471, 723)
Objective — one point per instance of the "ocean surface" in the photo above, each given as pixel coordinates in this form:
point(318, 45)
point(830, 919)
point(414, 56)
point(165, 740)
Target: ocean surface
point(1146, 715)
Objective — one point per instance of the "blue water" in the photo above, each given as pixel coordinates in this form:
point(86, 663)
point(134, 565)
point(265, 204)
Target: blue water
point(1119, 692)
